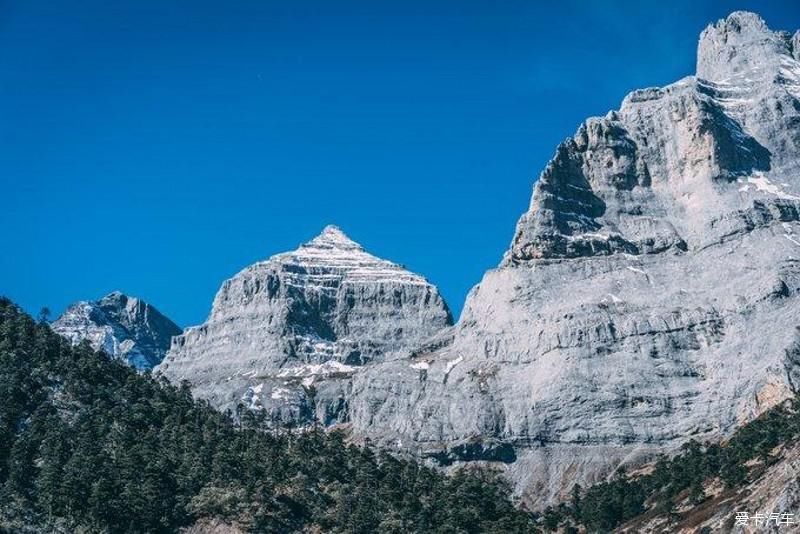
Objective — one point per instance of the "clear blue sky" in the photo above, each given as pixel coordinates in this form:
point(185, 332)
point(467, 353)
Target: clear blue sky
point(157, 147)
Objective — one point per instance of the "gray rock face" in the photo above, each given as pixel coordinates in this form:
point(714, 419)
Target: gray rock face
point(796, 45)
point(287, 334)
point(740, 44)
point(650, 294)
point(124, 327)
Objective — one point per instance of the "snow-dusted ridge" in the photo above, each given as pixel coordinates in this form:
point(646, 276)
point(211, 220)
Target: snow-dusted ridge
point(334, 254)
point(124, 327)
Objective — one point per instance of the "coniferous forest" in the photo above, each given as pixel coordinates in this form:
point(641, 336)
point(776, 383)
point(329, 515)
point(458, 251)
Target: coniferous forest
point(89, 445)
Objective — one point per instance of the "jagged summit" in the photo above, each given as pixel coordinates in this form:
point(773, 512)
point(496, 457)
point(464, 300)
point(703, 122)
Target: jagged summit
point(117, 300)
point(740, 44)
point(669, 170)
point(125, 327)
point(738, 23)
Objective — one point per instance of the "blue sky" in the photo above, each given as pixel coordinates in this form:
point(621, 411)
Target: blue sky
point(157, 147)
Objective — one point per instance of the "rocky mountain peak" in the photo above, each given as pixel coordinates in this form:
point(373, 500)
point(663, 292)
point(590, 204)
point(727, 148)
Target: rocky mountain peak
point(125, 327)
point(671, 169)
point(118, 302)
point(314, 315)
point(740, 44)
point(332, 237)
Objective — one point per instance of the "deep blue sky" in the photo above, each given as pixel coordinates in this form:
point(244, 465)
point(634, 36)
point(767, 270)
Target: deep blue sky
point(157, 147)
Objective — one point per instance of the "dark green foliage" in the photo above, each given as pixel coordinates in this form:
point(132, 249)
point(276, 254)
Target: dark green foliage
point(87, 444)
point(605, 506)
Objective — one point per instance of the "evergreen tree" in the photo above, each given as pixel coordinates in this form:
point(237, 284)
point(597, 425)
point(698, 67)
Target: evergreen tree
point(87, 444)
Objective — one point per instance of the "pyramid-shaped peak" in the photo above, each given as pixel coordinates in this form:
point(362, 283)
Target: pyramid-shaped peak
point(332, 237)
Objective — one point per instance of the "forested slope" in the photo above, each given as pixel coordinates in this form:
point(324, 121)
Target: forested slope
point(88, 445)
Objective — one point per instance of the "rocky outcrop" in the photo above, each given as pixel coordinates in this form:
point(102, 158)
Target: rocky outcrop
point(124, 327)
point(650, 293)
point(286, 335)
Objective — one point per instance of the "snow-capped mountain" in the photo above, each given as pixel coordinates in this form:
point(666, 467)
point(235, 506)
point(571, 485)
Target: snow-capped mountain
point(286, 334)
point(650, 294)
point(125, 327)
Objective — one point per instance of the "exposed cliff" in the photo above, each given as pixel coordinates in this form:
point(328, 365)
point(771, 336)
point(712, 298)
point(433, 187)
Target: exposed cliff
point(650, 293)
